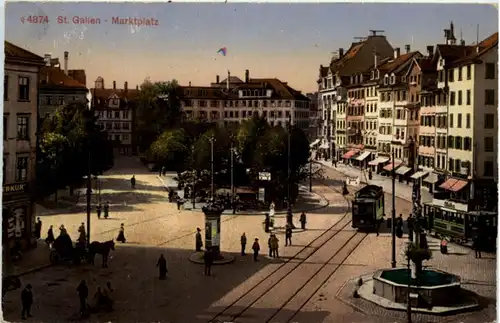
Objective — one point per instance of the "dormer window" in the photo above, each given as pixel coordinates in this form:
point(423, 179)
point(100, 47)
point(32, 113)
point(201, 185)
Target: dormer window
point(361, 78)
point(393, 79)
point(403, 78)
point(372, 77)
point(377, 74)
point(386, 79)
point(352, 79)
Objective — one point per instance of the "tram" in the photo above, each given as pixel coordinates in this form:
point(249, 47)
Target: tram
point(460, 226)
point(368, 207)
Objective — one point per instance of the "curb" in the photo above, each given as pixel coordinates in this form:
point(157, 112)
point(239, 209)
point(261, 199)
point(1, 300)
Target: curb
point(197, 258)
point(319, 207)
point(32, 270)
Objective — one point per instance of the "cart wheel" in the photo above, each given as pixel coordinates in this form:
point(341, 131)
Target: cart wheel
point(55, 257)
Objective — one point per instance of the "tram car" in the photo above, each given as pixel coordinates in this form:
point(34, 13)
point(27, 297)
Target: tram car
point(460, 226)
point(368, 207)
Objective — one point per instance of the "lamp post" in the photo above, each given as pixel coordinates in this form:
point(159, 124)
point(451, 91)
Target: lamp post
point(88, 121)
point(232, 173)
point(193, 193)
point(212, 139)
point(289, 161)
point(310, 175)
point(393, 224)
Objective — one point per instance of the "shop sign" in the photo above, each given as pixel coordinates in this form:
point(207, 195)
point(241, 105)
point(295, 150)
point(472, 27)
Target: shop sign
point(450, 205)
point(15, 188)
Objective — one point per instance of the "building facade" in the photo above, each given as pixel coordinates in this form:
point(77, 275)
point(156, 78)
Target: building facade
point(57, 88)
point(233, 100)
point(115, 109)
point(314, 117)
point(21, 70)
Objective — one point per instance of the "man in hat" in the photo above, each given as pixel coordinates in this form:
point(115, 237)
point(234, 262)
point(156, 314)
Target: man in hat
point(199, 242)
point(256, 249)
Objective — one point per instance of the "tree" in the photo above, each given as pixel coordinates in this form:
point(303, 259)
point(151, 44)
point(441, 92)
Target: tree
point(248, 136)
point(170, 151)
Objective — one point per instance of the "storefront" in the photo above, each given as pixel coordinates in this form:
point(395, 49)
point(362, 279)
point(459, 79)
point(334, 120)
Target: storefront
point(18, 218)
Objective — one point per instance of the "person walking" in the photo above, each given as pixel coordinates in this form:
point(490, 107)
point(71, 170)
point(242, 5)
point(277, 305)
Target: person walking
point(99, 209)
point(121, 234)
point(27, 301)
point(198, 241)
point(267, 222)
point(82, 234)
point(303, 221)
point(275, 246)
point(106, 209)
point(271, 251)
point(162, 266)
point(410, 223)
point(208, 259)
point(399, 226)
point(243, 241)
point(132, 181)
point(476, 245)
point(50, 236)
point(83, 293)
point(288, 235)
point(256, 249)
point(38, 228)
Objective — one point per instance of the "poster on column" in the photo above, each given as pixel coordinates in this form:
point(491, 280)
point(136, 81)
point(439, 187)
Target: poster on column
point(262, 194)
point(215, 233)
point(208, 234)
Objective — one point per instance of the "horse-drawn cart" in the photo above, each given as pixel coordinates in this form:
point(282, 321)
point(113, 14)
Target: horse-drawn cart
point(63, 250)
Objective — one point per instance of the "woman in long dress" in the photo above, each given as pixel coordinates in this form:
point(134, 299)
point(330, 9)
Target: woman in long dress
point(121, 234)
point(162, 266)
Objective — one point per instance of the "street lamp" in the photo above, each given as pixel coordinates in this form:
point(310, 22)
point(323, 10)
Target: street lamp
point(232, 172)
point(194, 179)
point(393, 222)
point(212, 139)
point(88, 119)
point(289, 160)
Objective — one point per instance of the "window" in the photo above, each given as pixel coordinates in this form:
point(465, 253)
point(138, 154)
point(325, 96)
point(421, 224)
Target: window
point(468, 98)
point(451, 120)
point(467, 143)
point(109, 114)
point(452, 98)
point(459, 97)
point(459, 120)
point(22, 128)
point(467, 121)
point(488, 144)
point(460, 73)
point(488, 168)
point(457, 165)
point(125, 137)
point(451, 74)
point(6, 87)
point(451, 163)
point(48, 100)
point(117, 114)
point(489, 121)
point(22, 169)
point(489, 97)
point(24, 88)
point(469, 72)
point(5, 125)
point(125, 114)
point(60, 100)
point(125, 126)
point(458, 142)
point(489, 71)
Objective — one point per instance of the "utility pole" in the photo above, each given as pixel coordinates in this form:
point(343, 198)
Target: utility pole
point(393, 224)
point(212, 139)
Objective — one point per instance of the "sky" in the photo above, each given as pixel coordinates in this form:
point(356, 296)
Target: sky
point(286, 41)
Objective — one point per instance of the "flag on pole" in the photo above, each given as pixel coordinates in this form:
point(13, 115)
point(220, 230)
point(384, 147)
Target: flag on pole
point(223, 51)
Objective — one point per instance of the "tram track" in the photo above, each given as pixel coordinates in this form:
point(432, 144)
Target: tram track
point(269, 283)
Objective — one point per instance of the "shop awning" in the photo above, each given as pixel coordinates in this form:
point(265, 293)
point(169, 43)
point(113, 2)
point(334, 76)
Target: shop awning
point(349, 154)
point(363, 156)
point(314, 143)
point(431, 179)
point(390, 166)
point(458, 185)
point(378, 160)
point(403, 170)
point(324, 146)
point(419, 174)
point(449, 183)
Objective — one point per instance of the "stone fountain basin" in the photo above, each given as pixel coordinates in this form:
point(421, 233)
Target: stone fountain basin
point(436, 287)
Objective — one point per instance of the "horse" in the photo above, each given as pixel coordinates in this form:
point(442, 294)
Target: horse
point(102, 248)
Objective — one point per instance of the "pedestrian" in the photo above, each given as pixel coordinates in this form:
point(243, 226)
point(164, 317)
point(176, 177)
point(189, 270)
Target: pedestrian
point(62, 231)
point(27, 301)
point(378, 224)
point(275, 246)
point(476, 245)
point(38, 228)
point(208, 259)
point(288, 235)
point(303, 221)
point(121, 234)
point(162, 266)
point(399, 226)
point(179, 202)
point(50, 236)
point(99, 209)
point(243, 241)
point(267, 222)
point(82, 234)
point(256, 249)
point(410, 223)
point(106, 209)
point(83, 293)
point(289, 218)
point(269, 245)
point(132, 181)
point(199, 242)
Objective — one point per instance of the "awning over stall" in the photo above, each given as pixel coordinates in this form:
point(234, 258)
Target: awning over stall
point(363, 156)
point(431, 179)
point(378, 160)
point(403, 170)
point(390, 166)
point(460, 184)
point(419, 174)
point(349, 154)
point(314, 143)
point(449, 183)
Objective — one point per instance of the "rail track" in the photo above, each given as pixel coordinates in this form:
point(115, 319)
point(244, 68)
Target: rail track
point(335, 236)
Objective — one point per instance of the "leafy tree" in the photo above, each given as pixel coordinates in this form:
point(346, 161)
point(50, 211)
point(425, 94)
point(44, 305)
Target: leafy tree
point(170, 151)
point(247, 137)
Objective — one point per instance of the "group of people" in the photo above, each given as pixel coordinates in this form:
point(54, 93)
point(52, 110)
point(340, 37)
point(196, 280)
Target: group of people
point(99, 209)
point(102, 298)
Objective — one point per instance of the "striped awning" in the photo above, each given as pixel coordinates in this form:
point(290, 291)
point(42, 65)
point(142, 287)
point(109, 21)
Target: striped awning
point(390, 166)
point(378, 160)
point(419, 174)
point(453, 184)
point(349, 154)
point(363, 156)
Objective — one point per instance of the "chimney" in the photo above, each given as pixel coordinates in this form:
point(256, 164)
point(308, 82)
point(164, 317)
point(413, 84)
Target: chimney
point(47, 58)
point(247, 76)
point(125, 86)
point(375, 60)
point(217, 79)
point(66, 54)
point(397, 52)
point(114, 85)
point(407, 49)
point(430, 50)
point(341, 52)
